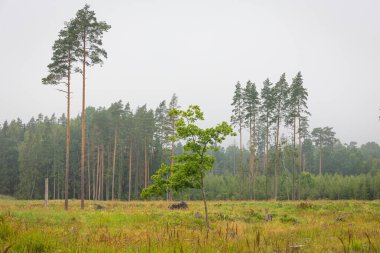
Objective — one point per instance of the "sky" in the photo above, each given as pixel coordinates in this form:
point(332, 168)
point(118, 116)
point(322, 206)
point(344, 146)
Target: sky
point(199, 49)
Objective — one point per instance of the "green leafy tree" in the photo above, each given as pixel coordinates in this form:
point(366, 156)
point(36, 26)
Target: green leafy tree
point(190, 168)
point(89, 33)
point(60, 70)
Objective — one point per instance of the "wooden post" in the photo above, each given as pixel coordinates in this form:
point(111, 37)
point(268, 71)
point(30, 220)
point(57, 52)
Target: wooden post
point(46, 191)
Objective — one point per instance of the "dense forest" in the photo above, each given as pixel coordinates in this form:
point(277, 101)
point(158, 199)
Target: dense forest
point(125, 146)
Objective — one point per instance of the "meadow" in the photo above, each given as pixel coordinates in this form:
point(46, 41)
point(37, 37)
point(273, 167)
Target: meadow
point(149, 226)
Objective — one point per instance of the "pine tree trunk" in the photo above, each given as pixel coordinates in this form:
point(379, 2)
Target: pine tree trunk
point(113, 167)
point(46, 191)
point(121, 175)
point(137, 171)
point(294, 159)
point(102, 176)
point(299, 141)
point(83, 120)
point(108, 168)
point(97, 188)
point(94, 177)
point(266, 161)
point(320, 160)
point(241, 160)
point(54, 173)
point(252, 131)
point(130, 172)
point(88, 173)
point(170, 195)
point(68, 139)
point(145, 167)
point(301, 168)
point(277, 159)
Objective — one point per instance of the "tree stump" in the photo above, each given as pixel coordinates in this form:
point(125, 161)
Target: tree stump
point(268, 216)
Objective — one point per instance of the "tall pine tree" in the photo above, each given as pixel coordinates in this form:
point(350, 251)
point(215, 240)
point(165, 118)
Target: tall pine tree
point(60, 70)
point(90, 52)
point(251, 111)
point(266, 115)
point(237, 119)
point(280, 94)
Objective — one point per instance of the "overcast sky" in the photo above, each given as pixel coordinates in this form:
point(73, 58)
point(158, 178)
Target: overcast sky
point(199, 50)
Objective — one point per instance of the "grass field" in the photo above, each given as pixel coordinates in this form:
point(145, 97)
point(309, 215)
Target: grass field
point(238, 226)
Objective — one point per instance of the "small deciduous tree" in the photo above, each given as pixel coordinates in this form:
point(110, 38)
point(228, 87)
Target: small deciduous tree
point(189, 168)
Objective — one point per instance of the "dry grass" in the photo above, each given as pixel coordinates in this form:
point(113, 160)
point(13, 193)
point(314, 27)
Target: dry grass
point(237, 226)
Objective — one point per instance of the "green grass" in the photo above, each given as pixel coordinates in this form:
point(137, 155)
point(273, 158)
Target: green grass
point(236, 226)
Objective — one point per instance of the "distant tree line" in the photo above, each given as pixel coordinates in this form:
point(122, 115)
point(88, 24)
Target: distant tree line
point(281, 149)
point(125, 146)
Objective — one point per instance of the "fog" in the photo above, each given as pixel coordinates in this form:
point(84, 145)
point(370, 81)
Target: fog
point(199, 50)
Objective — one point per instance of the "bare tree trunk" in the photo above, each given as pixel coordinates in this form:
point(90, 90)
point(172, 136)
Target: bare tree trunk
point(277, 159)
point(170, 195)
point(113, 167)
point(130, 172)
point(108, 168)
point(83, 121)
point(54, 183)
point(145, 167)
point(320, 160)
point(97, 188)
point(46, 191)
point(266, 161)
point(205, 204)
point(294, 159)
point(94, 171)
point(137, 171)
point(67, 140)
point(88, 172)
point(241, 160)
point(252, 160)
point(102, 176)
point(121, 174)
point(299, 141)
